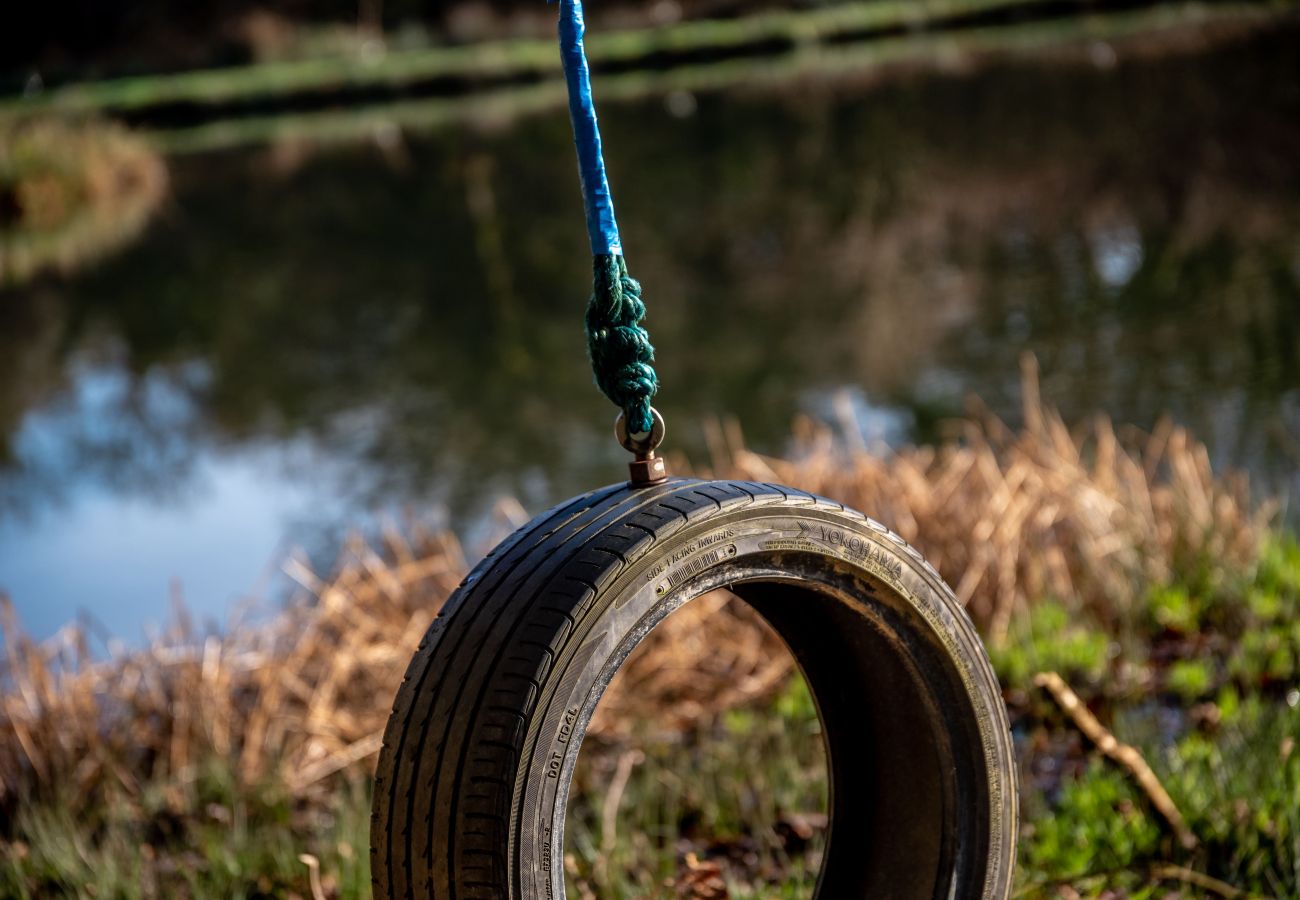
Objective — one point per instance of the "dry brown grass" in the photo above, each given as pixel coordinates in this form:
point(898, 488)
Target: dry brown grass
point(307, 693)
point(1006, 516)
point(1009, 517)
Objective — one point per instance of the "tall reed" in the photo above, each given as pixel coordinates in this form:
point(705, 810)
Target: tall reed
point(1007, 516)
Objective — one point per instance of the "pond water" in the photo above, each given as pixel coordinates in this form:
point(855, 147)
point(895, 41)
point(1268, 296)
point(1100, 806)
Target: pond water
point(313, 338)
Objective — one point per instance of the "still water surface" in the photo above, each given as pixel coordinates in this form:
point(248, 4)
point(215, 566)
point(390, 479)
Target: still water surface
point(310, 339)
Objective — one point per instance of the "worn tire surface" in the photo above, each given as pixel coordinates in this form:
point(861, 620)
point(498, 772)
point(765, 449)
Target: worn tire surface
point(473, 777)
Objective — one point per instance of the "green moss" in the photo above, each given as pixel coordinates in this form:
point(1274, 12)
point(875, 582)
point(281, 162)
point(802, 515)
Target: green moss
point(1240, 792)
point(1279, 568)
point(1190, 679)
point(1096, 826)
point(1265, 655)
point(1172, 607)
point(1235, 776)
point(1051, 638)
point(1268, 648)
point(1237, 786)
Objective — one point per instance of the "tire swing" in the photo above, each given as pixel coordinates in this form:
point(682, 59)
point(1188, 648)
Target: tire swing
point(480, 750)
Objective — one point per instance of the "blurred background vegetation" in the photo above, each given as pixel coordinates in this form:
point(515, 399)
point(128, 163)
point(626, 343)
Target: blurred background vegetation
point(275, 273)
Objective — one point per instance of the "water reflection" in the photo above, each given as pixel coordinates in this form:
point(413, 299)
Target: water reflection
point(398, 324)
point(71, 193)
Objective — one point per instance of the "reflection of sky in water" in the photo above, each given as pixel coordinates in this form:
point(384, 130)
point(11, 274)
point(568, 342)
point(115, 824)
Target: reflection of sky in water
point(103, 418)
point(119, 556)
point(228, 518)
point(212, 536)
point(861, 423)
point(1117, 253)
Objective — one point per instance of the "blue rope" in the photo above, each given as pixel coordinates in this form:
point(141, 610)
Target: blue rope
point(619, 347)
point(602, 229)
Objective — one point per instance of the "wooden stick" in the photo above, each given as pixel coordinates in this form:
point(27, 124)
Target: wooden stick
point(1170, 872)
point(1124, 754)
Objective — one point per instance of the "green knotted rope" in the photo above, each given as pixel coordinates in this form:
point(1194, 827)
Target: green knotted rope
point(618, 345)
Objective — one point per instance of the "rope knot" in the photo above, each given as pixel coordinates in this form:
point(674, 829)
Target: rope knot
point(619, 347)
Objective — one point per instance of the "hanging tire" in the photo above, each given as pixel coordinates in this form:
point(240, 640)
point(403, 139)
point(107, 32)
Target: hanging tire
point(478, 756)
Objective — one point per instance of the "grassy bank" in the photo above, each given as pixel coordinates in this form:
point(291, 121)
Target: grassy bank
point(820, 56)
point(238, 764)
point(371, 68)
point(353, 95)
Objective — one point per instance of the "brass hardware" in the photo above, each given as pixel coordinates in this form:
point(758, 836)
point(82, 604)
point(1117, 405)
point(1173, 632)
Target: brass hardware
point(646, 469)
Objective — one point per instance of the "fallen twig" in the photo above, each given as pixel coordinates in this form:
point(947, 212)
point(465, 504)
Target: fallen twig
point(1170, 872)
point(1124, 754)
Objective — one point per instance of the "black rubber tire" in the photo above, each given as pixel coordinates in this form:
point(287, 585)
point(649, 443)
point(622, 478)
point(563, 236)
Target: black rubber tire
point(477, 759)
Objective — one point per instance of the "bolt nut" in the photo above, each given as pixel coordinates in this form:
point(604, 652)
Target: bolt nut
point(648, 471)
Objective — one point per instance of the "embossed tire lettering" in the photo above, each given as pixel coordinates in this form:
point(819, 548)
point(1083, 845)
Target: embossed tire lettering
point(473, 777)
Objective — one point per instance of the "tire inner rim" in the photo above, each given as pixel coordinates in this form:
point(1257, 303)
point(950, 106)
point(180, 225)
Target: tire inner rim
point(909, 803)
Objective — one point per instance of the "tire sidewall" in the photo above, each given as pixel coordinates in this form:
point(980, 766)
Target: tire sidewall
point(701, 556)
